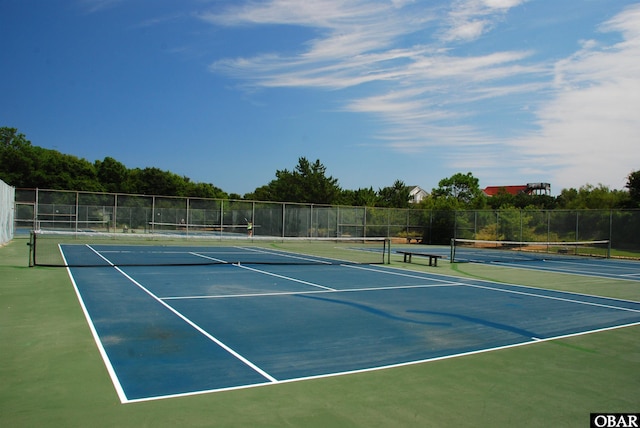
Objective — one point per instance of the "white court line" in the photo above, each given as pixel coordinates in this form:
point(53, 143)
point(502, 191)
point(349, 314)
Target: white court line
point(103, 353)
point(612, 263)
point(287, 255)
point(288, 278)
point(324, 288)
point(590, 267)
point(562, 299)
point(293, 293)
point(276, 253)
point(557, 270)
point(589, 273)
point(552, 269)
point(191, 323)
point(398, 273)
point(255, 250)
point(208, 257)
point(537, 289)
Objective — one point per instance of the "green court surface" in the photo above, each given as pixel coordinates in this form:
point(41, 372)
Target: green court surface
point(52, 373)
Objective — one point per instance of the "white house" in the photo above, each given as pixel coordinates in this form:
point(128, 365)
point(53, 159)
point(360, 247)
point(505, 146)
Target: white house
point(416, 194)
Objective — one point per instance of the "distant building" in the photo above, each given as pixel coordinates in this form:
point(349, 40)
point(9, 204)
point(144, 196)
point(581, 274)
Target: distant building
point(529, 189)
point(417, 194)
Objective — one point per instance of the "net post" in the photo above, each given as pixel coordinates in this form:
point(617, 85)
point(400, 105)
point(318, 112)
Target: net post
point(386, 246)
point(452, 251)
point(32, 248)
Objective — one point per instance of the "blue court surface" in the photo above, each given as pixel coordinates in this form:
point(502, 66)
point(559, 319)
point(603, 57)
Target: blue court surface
point(167, 331)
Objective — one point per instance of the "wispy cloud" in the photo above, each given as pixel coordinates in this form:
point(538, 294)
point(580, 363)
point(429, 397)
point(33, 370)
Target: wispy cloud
point(585, 106)
point(360, 42)
point(160, 20)
point(469, 19)
point(92, 6)
point(592, 124)
point(320, 14)
point(356, 43)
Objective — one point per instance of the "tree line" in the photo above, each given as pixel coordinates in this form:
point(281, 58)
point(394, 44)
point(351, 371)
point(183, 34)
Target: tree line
point(24, 165)
point(27, 166)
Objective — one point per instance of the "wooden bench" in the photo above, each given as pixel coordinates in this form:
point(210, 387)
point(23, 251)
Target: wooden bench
point(433, 258)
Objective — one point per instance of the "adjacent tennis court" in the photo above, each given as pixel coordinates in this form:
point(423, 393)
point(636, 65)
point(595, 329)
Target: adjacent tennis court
point(578, 260)
point(183, 320)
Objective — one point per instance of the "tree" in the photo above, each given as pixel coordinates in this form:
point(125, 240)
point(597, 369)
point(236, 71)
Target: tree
point(396, 196)
point(360, 198)
point(543, 202)
point(154, 181)
point(16, 158)
point(307, 183)
point(27, 166)
point(206, 190)
point(262, 193)
point(521, 200)
point(463, 188)
point(113, 175)
point(501, 199)
point(633, 185)
point(592, 197)
point(24, 165)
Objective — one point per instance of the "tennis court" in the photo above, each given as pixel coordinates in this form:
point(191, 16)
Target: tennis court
point(234, 317)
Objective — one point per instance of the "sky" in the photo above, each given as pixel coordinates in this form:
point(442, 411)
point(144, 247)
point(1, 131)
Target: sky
point(228, 92)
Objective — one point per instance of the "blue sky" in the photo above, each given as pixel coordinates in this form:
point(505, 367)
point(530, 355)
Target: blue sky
point(229, 91)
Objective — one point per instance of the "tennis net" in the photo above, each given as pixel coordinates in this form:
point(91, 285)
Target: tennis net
point(91, 249)
point(481, 251)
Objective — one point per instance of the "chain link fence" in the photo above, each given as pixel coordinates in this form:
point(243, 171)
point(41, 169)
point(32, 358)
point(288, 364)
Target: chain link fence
point(123, 213)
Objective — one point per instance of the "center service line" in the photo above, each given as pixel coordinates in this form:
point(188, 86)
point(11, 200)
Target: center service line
point(188, 321)
point(281, 253)
point(288, 278)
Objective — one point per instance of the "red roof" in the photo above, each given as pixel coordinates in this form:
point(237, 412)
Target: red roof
point(514, 190)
